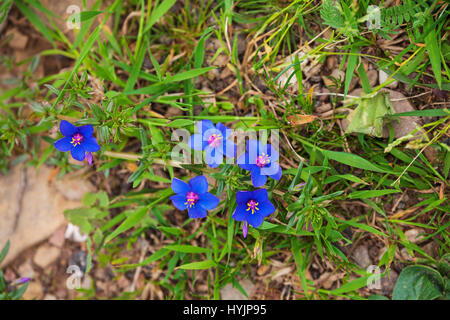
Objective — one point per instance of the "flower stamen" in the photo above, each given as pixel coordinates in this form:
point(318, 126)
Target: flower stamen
point(252, 205)
point(262, 160)
point(214, 140)
point(77, 138)
point(191, 199)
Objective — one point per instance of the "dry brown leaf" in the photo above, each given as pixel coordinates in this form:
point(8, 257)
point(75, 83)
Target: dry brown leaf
point(299, 119)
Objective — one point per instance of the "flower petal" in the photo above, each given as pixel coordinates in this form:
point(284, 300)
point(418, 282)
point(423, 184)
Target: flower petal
point(196, 142)
point(258, 179)
point(260, 195)
point(204, 125)
point(90, 144)
point(87, 130)
point(78, 152)
point(67, 129)
point(244, 162)
point(240, 214)
point(255, 220)
point(245, 229)
point(179, 186)
point(266, 208)
point(208, 201)
point(179, 201)
point(196, 212)
point(63, 144)
point(224, 130)
point(242, 197)
point(254, 148)
point(277, 175)
point(213, 156)
point(198, 185)
point(271, 170)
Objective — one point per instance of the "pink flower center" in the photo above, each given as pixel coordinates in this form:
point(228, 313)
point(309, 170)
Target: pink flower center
point(214, 140)
point(77, 138)
point(252, 205)
point(262, 160)
point(191, 199)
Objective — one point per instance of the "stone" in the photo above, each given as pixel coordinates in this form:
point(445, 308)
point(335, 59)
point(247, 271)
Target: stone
point(383, 77)
point(49, 296)
point(26, 270)
point(372, 75)
point(46, 255)
point(31, 207)
point(57, 239)
point(18, 41)
point(34, 291)
point(361, 257)
point(414, 235)
point(230, 293)
point(388, 282)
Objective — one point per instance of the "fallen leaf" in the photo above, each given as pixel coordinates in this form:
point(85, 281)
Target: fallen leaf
point(299, 119)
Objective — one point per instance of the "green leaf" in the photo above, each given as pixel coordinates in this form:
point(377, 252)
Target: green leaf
point(351, 65)
point(352, 160)
point(431, 43)
point(4, 251)
point(129, 222)
point(370, 114)
point(186, 248)
point(364, 194)
point(198, 265)
point(351, 286)
point(418, 283)
point(35, 20)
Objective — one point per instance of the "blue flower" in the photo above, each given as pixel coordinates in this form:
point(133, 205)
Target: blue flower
point(78, 140)
point(213, 140)
point(261, 161)
point(252, 207)
point(193, 196)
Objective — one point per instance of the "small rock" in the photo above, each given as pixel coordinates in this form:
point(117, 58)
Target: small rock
point(57, 239)
point(405, 254)
point(221, 60)
point(323, 108)
point(388, 282)
point(123, 283)
point(373, 77)
point(34, 291)
point(383, 77)
point(46, 255)
point(414, 235)
point(361, 256)
point(31, 208)
point(331, 62)
point(9, 275)
point(262, 270)
point(230, 293)
point(50, 297)
point(432, 249)
point(25, 270)
point(18, 41)
point(73, 187)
